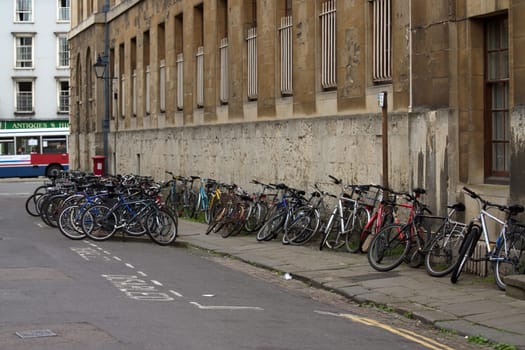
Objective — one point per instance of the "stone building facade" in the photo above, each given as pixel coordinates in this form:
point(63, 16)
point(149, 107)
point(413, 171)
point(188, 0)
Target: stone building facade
point(288, 90)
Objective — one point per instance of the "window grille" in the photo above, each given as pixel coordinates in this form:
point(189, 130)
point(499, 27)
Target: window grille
point(162, 87)
point(382, 41)
point(200, 76)
point(180, 81)
point(252, 63)
point(148, 90)
point(328, 48)
point(224, 92)
point(285, 33)
point(134, 92)
point(123, 95)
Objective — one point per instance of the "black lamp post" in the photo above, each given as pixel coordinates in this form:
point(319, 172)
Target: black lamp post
point(101, 68)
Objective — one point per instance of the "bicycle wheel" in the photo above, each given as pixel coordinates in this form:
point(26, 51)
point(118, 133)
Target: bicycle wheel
point(303, 224)
point(31, 204)
point(389, 247)
point(465, 251)
point(443, 253)
point(189, 203)
point(162, 227)
point(69, 222)
point(99, 222)
point(355, 225)
point(256, 215)
point(416, 255)
point(510, 261)
point(273, 224)
point(329, 230)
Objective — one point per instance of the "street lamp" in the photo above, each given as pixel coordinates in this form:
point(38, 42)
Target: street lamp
point(102, 72)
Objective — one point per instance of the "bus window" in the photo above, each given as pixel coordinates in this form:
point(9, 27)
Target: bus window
point(7, 146)
point(26, 145)
point(54, 144)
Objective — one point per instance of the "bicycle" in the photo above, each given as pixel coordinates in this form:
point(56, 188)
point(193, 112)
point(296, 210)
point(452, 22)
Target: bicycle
point(441, 253)
point(345, 216)
point(304, 222)
point(507, 254)
point(380, 211)
point(392, 244)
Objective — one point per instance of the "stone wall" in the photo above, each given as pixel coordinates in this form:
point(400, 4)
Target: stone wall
point(298, 152)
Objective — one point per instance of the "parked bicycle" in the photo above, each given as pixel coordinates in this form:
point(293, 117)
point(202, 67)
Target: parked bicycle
point(507, 254)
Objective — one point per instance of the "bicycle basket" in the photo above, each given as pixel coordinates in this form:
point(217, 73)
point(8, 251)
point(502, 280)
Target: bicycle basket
point(372, 196)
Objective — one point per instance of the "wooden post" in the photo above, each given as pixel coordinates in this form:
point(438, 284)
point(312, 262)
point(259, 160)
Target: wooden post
point(382, 100)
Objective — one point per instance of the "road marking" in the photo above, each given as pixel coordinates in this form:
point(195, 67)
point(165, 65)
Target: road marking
point(175, 293)
point(412, 336)
point(130, 266)
point(156, 283)
point(142, 273)
point(137, 289)
point(117, 258)
point(226, 307)
point(86, 253)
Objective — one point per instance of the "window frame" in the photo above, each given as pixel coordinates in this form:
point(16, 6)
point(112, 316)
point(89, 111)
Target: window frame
point(492, 174)
point(17, 37)
point(17, 82)
point(61, 36)
point(17, 12)
point(60, 11)
point(60, 95)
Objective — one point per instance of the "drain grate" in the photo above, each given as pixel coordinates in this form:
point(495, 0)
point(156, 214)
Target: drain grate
point(36, 333)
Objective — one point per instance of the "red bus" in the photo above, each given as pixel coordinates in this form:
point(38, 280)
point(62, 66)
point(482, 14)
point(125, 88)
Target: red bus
point(33, 148)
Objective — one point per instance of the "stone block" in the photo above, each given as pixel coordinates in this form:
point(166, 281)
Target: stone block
point(515, 286)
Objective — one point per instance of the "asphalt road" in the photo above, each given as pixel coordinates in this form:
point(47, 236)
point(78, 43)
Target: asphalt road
point(56, 293)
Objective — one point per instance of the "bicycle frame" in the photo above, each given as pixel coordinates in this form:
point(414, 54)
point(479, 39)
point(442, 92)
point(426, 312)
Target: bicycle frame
point(482, 218)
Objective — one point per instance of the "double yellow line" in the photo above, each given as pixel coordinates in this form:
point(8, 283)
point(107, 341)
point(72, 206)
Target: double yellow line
point(412, 336)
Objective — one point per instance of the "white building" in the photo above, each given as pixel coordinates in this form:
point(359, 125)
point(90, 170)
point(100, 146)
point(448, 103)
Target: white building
point(34, 79)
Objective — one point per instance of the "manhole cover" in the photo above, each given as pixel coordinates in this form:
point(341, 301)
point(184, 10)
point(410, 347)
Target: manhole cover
point(36, 333)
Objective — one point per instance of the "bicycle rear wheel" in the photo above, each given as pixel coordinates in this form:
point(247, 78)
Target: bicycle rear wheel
point(465, 251)
point(272, 225)
point(510, 261)
point(162, 226)
point(443, 253)
point(98, 223)
point(355, 225)
point(389, 247)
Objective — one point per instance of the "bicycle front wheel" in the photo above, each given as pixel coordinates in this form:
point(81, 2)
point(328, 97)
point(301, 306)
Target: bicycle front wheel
point(509, 261)
point(355, 225)
point(443, 253)
point(302, 226)
point(389, 247)
point(465, 251)
point(69, 222)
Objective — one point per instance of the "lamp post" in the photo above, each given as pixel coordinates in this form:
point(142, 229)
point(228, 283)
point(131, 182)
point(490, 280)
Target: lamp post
point(101, 68)
point(102, 72)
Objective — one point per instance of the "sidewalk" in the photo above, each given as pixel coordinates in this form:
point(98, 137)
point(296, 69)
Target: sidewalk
point(472, 307)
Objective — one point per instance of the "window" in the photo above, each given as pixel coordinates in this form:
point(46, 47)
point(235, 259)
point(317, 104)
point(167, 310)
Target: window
point(24, 51)
point(7, 146)
point(64, 10)
point(497, 124)
point(382, 41)
point(24, 97)
point(328, 45)
point(23, 10)
point(63, 96)
point(63, 51)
